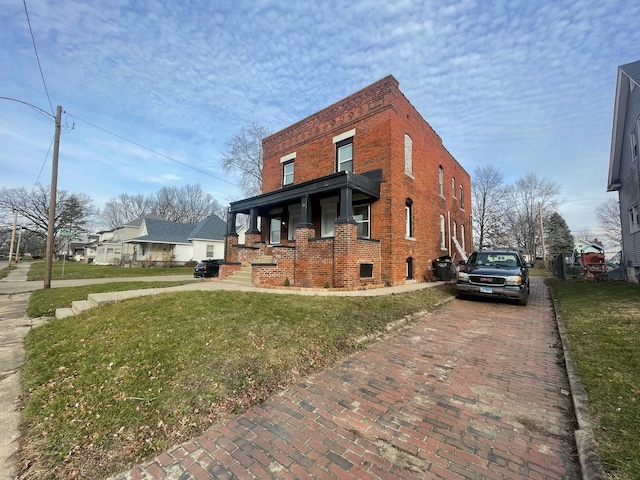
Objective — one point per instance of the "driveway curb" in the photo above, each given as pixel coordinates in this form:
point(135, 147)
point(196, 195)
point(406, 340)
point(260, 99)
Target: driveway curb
point(588, 452)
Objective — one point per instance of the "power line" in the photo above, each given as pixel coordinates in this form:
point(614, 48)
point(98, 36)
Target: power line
point(153, 151)
point(33, 38)
point(45, 161)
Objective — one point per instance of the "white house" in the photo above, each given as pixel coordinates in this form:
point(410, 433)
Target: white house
point(624, 164)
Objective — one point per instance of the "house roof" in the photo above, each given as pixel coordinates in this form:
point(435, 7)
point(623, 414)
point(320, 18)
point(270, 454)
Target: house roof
point(210, 228)
point(138, 221)
point(628, 77)
point(164, 231)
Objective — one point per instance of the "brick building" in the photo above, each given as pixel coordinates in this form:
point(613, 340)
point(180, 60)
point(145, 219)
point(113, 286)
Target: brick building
point(362, 193)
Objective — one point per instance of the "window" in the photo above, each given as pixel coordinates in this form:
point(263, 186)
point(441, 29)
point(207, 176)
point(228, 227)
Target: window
point(344, 156)
point(408, 214)
point(408, 154)
point(409, 268)
point(274, 231)
point(461, 197)
point(287, 173)
point(294, 219)
point(344, 151)
point(443, 244)
point(366, 270)
point(441, 180)
point(634, 143)
point(455, 229)
point(209, 251)
point(634, 218)
point(329, 213)
point(464, 248)
point(361, 215)
point(453, 187)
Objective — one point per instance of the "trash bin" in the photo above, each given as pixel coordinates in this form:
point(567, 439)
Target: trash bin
point(444, 268)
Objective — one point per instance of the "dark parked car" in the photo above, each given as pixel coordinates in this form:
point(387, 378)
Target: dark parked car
point(495, 274)
point(207, 268)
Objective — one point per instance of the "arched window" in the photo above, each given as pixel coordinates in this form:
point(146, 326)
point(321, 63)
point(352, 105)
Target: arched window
point(443, 244)
point(408, 154)
point(408, 215)
point(409, 269)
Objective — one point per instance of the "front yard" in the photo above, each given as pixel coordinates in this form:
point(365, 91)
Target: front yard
point(118, 384)
point(80, 270)
point(603, 322)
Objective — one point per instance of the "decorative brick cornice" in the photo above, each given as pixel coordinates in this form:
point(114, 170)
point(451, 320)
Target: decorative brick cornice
point(379, 96)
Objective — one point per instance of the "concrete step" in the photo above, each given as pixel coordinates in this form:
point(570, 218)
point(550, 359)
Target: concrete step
point(64, 313)
point(264, 259)
point(80, 306)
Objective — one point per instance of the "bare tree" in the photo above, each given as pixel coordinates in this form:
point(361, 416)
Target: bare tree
point(187, 204)
point(489, 207)
point(531, 197)
point(244, 155)
point(125, 208)
point(608, 214)
point(74, 211)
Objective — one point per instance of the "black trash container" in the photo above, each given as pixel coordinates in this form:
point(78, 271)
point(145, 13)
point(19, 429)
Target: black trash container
point(444, 268)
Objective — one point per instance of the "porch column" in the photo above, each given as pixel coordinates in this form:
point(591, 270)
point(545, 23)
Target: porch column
point(253, 221)
point(231, 223)
point(305, 213)
point(346, 206)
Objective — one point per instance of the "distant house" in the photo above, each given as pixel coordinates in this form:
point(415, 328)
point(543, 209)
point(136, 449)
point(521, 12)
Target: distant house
point(624, 164)
point(153, 240)
point(362, 193)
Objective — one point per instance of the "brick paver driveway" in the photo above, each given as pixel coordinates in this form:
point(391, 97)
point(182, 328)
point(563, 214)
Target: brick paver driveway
point(471, 392)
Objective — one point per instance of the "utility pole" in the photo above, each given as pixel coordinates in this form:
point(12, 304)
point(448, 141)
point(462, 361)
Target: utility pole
point(52, 200)
point(13, 236)
point(18, 245)
point(544, 252)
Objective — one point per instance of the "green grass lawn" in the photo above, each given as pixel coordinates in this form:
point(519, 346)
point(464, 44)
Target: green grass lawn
point(119, 384)
point(81, 270)
point(43, 303)
point(603, 322)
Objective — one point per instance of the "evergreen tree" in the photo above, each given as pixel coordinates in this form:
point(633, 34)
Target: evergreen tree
point(558, 235)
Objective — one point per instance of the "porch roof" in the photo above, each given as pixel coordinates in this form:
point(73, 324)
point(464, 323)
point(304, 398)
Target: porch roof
point(366, 183)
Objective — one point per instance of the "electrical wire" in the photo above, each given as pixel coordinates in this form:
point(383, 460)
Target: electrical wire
point(33, 38)
point(153, 151)
point(43, 163)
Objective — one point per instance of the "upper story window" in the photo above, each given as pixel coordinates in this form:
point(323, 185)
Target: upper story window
point(634, 218)
point(634, 143)
point(441, 180)
point(287, 168)
point(453, 187)
point(344, 151)
point(361, 213)
point(461, 197)
point(408, 213)
point(408, 155)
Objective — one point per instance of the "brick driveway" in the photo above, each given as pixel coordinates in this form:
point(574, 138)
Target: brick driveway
point(471, 392)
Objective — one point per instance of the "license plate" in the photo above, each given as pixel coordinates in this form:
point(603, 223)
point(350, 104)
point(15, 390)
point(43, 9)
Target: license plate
point(486, 290)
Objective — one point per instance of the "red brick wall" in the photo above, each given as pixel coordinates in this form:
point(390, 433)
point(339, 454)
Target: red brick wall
point(381, 116)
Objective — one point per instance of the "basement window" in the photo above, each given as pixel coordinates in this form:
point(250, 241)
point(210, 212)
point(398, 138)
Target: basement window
point(366, 270)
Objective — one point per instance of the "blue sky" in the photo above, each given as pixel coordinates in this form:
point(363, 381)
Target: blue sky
point(527, 86)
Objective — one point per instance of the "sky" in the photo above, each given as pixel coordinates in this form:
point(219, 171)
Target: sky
point(152, 90)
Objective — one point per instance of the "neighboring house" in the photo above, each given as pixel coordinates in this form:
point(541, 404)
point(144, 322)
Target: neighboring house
point(362, 193)
point(624, 164)
point(150, 239)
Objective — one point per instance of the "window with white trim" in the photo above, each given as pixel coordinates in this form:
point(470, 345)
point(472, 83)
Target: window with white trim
point(461, 197)
point(453, 187)
point(361, 213)
point(408, 155)
point(464, 248)
point(441, 180)
point(455, 229)
point(634, 218)
point(328, 216)
point(443, 245)
point(344, 156)
point(408, 218)
point(209, 251)
point(287, 173)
